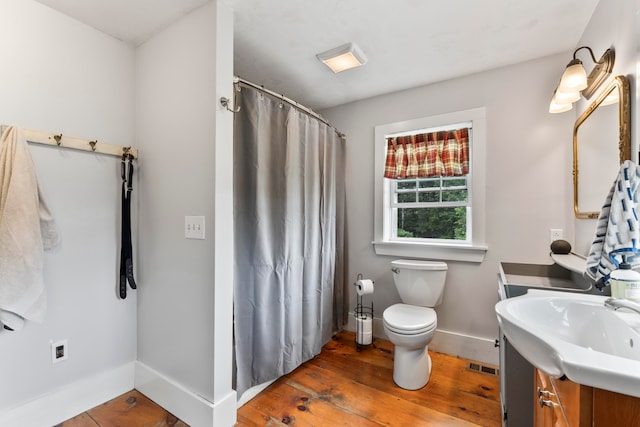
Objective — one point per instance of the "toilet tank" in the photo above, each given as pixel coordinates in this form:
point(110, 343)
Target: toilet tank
point(419, 282)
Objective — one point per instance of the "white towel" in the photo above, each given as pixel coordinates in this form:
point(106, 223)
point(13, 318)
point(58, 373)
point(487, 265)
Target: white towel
point(618, 228)
point(26, 230)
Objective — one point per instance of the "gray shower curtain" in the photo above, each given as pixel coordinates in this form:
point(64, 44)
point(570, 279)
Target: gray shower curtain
point(289, 295)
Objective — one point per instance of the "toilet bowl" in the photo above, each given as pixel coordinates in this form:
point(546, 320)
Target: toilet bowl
point(411, 325)
point(410, 328)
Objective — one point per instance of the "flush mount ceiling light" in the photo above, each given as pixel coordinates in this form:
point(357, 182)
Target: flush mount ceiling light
point(574, 80)
point(343, 57)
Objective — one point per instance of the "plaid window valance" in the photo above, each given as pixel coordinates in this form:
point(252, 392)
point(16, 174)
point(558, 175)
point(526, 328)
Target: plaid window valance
point(443, 153)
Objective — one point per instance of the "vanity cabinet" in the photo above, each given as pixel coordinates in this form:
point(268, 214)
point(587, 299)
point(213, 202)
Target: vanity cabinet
point(563, 403)
point(547, 411)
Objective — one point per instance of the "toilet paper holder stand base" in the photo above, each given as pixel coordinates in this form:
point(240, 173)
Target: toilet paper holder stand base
point(364, 321)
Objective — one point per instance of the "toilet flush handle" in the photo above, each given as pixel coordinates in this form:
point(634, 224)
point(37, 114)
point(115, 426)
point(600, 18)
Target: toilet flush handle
point(395, 270)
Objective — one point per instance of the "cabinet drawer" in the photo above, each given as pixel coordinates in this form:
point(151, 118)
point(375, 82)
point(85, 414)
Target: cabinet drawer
point(576, 401)
point(548, 410)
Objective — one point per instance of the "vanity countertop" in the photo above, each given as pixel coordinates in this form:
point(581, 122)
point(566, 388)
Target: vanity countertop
point(571, 261)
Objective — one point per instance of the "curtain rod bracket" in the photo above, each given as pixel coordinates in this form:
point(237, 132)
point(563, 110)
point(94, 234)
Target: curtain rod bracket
point(225, 103)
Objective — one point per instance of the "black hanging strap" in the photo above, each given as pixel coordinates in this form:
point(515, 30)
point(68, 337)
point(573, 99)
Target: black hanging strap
point(126, 248)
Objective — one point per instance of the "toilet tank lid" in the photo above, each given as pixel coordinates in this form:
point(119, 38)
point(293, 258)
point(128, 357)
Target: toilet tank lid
point(414, 264)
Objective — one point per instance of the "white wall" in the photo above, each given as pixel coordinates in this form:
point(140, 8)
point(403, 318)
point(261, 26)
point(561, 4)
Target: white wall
point(185, 304)
point(60, 76)
point(528, 184)
point(612, 25)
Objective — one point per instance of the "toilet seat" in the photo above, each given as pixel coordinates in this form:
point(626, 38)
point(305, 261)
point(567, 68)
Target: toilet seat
point(409, 319)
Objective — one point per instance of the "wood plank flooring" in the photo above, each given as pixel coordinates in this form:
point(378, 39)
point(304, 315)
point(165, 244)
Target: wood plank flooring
point(343, 387)
point(340, 387)
point(132, 409)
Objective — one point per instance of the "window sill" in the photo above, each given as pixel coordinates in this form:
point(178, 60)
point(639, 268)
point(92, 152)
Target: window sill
point(435, 251)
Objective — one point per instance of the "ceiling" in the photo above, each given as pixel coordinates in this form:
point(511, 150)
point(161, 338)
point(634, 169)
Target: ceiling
point(408, 43)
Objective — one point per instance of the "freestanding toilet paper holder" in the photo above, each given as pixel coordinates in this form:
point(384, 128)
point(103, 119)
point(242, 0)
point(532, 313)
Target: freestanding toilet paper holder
point(364, 320)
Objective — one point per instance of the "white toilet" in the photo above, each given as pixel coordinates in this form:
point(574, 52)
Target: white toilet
point(410, 325)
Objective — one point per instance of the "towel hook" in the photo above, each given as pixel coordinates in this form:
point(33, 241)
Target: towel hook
point(225, 103)
point(126, 153)
point(57, 138)
point(93, 144)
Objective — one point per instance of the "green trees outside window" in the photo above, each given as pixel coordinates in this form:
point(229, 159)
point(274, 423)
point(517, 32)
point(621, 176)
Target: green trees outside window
point(431, 208)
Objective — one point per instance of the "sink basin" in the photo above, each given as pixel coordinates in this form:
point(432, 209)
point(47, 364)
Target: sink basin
point(575, 335)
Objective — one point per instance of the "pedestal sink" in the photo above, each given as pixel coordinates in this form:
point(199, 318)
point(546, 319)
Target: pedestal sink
point(577, 336)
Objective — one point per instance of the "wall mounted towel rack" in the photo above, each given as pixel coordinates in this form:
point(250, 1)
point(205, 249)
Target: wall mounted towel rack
point(65, 141)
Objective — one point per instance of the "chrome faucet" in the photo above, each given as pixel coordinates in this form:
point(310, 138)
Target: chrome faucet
point(618, 303)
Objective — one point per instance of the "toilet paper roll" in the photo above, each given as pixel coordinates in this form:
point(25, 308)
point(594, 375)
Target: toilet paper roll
point(364, 329)
point(364, 287)
point(364, 339)
point(364, 324)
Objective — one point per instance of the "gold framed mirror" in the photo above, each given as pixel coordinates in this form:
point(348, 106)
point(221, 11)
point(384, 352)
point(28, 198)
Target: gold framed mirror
point(601, 142)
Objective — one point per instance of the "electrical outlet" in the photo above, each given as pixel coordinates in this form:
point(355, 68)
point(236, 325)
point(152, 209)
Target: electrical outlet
point(194, 227)
point(555, 234)
point(59, 351)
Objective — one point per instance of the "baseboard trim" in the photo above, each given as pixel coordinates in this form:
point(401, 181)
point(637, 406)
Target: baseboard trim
point(191, 408)
point(71, 400)
point(252, 392)
point(453, 343)
point(472, 348)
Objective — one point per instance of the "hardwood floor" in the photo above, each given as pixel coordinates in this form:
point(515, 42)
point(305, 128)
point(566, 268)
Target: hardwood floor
point(340, 387)
point(131, 409)
point(343, 387)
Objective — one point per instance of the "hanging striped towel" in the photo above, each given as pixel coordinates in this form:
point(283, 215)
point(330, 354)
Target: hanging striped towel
point(618, 228)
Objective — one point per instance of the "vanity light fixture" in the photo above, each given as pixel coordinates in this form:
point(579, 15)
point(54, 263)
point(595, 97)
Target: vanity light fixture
point(574, 80)
point(343, 57)
point(559, 106)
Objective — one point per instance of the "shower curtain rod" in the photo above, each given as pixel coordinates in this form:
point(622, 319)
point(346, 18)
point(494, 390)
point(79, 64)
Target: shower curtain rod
point(290, 102)
point(38, 137)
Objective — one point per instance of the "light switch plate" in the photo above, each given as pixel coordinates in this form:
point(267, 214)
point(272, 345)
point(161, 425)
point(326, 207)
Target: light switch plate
point(194, 227)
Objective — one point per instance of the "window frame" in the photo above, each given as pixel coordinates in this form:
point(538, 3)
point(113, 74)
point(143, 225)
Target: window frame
point(472, 250)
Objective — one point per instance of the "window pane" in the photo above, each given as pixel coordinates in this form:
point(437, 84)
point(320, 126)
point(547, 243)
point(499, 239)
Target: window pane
point(457, 182)
point(454, 196)
point(406, 185)
point(406, 197)
point(431, 183)
point(429, 196)
point(432, 223)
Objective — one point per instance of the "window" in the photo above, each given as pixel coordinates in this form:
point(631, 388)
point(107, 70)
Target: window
point(430, 208)
point(434, 217)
